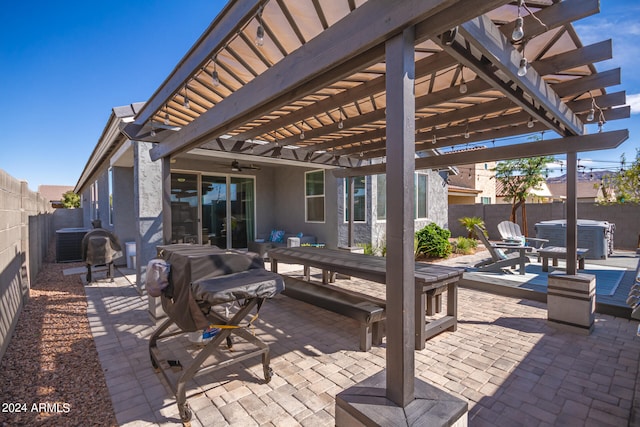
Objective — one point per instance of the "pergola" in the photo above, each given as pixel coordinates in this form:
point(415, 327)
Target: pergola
point(382, 86)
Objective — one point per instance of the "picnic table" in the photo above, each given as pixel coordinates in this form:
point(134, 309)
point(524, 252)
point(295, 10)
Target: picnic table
point(431, 280)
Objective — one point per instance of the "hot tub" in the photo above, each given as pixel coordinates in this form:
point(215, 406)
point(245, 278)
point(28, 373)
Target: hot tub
point(597, 236)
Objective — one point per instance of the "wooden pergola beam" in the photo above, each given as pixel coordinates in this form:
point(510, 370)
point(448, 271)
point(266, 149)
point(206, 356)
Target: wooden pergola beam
point(560, 14)
point(585, 84)
point(325, 59)
point(578, 57)
point(221, 30)
point(377, 85)
point(602, 101)
point(594, 142)
point(485, 37)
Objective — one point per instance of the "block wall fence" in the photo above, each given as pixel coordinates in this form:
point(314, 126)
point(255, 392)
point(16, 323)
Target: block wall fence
point(626, 217)
point(26, 228)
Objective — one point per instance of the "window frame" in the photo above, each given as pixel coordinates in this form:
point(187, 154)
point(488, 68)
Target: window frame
point(417, 212)
point(307, 197)
point(346, 199)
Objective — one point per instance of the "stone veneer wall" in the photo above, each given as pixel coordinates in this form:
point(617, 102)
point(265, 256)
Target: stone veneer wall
point(26, 228)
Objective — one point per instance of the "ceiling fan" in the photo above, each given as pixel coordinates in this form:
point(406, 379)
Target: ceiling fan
point(237, 167)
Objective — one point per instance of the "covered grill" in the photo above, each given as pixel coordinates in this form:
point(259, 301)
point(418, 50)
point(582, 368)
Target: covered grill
point(201, 279)
point(100, 247)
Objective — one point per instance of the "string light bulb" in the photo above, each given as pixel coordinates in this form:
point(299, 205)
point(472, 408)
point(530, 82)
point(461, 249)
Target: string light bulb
point(186, 102)
point(524, 65)
point(214, 75)
point(466, 131)
point(302, 132)
point(260, 30)
point(166, 117)
point(530, 123)
point(434, 139)
point(340, 122)
point(518, 30)
point(463, 84)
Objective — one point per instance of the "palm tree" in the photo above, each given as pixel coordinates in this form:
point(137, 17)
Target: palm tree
point(469, 222)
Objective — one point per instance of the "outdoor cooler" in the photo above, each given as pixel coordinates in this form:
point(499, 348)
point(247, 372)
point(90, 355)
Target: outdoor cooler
point(597, 236)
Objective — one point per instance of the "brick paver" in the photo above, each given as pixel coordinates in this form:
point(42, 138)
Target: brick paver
point(505, 360)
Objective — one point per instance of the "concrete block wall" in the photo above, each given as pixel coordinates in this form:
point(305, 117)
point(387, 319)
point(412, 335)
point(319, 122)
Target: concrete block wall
point(25, 232)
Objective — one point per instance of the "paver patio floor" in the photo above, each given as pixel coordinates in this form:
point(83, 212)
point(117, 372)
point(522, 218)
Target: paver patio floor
point(512, 367)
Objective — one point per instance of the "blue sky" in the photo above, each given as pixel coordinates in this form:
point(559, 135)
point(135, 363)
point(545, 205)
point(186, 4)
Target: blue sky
point(66, 64)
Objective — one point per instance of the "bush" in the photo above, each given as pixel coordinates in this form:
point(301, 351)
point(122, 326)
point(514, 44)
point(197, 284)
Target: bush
point(433, 241)
point(464, 245)
point(368, 248)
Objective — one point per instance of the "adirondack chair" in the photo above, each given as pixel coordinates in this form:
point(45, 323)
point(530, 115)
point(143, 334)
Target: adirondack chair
point(500, 259)
point(510, 231)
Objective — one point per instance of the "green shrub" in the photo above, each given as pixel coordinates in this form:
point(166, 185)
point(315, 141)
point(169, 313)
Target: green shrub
point(433, 241)
point(464, 245)
point(468, 222)
point(368, 248)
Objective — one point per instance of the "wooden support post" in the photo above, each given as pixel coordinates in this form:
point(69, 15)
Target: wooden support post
point(572, 213)
point(400, 226)
point(166, 200)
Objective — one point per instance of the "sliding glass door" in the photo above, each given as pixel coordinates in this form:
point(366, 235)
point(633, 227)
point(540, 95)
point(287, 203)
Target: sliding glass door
point(184, 208)
point(241, 204)
point(214, 210)
point(223, 206)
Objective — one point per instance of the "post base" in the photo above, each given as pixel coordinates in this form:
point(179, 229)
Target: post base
point(571, 302)
point(366, 404)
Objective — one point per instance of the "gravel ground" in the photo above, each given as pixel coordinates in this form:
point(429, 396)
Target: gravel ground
point(51, 374)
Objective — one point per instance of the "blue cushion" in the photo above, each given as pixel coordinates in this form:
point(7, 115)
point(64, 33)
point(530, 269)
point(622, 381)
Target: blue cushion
point(277, 236)
point(299, 235)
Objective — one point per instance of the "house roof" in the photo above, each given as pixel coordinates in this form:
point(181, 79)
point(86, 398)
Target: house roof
point(541, 191)
point(53, 193)
point(584, 189)
point(460, 190)
point(109, 141)
point(315, 90)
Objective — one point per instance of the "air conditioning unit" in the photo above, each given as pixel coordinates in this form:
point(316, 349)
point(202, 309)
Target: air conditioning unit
point(69, 244)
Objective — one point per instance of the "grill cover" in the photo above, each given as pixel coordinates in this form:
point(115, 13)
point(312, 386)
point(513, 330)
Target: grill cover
point(99, 246)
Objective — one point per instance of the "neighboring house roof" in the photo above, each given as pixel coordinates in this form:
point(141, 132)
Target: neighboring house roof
point(459, 190)
point(584, 190)
point(53, 193)
point(541, 191)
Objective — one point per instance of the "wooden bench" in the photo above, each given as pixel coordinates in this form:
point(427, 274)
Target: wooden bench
point(558, 252)
point(368, 311)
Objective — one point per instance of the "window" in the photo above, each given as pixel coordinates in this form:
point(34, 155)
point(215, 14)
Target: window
point(421, 195)
point(111, 196)
point(95, 214)
point(359, 199)
point(485, 200)
point(314, 196)
point(381, 203)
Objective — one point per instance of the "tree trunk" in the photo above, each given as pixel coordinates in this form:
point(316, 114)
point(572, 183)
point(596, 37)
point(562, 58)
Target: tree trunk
point(524, 219)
